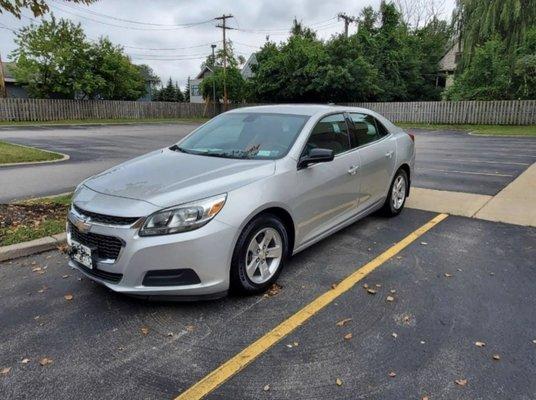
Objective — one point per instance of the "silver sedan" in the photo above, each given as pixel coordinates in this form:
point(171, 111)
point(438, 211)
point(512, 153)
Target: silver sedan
point(228, 205)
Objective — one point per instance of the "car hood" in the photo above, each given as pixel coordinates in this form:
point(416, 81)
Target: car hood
point(166, 178)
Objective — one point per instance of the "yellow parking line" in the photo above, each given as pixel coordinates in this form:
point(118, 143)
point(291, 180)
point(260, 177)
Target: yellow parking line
point(254, 350)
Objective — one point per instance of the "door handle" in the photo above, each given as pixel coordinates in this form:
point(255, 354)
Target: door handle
point(353, 169)
point(389, 154)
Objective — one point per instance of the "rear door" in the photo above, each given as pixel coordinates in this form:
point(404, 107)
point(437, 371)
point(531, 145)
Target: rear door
point(327, 191)
point(377, 153)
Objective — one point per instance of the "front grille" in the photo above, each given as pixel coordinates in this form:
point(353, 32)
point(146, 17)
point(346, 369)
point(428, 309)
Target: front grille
point(107, 247)
point(105, 276)
point(106, 219)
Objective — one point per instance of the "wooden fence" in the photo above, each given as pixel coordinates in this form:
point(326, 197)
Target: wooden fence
point(511, 112)
point(504, 112)
point(52, 110)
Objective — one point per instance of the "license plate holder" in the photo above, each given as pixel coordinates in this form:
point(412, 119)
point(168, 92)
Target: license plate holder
point(82, 254)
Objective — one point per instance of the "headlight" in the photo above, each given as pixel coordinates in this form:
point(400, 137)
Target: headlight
point(185, 217)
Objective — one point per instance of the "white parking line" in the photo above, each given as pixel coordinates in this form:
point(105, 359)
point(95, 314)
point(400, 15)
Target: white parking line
point(467, 172)
point(479, 161)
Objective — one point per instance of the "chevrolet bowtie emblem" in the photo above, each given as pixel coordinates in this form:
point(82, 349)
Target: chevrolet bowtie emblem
point(82, 224)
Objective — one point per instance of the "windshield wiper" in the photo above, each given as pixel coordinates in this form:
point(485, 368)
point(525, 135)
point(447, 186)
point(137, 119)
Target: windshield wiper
point(182, 150)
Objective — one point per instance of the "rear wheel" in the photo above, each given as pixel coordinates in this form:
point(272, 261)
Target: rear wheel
point(259, 255)
point(394, 203)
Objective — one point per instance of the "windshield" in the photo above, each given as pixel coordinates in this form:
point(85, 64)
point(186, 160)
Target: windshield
point(245, 135)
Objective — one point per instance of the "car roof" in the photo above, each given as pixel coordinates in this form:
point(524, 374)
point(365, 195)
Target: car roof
point(298, 109)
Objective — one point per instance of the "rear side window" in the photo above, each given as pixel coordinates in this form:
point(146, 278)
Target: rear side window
point(330, 132)
point(364, 129)
point(382, 130)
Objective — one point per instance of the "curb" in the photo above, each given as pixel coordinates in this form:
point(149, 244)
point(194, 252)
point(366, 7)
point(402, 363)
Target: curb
point(32, 247)
point(65, 157)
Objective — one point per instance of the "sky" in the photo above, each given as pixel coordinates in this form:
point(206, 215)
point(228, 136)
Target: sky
point(174, 36)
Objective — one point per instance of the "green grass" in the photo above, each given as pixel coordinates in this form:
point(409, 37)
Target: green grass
point(51, 225)
point(94, 121)
point(26, 233)
point(495, 130)
point(13, 153)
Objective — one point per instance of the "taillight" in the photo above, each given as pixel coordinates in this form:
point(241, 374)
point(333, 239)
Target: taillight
point(412, 136)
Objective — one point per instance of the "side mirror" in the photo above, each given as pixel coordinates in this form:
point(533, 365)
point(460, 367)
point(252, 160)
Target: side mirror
point(315, 156)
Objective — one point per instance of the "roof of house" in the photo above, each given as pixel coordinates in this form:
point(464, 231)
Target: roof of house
point(247, 71)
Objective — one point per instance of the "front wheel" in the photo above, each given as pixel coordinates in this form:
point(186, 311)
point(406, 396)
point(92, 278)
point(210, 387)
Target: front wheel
point(396, 198)
point(259, 255)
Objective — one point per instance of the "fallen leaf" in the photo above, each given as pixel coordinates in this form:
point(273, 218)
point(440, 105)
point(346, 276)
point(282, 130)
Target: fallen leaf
point(333, 286)
point(447, 275)
point(425, 398)
point(25, 361)
point(534, 341)
point(144, 330)
point(64, 276)
point(343, 322)
point(295, 343)
point(392, 374)
point(266, 388)
point(36, 269)
point(273, 290)
point(393, 291)
point(348, 336)
point(390, 298)
point(5, 371)
point(378, 285)
point(190, 328)
point(338, 382)
point(395, 335)
point(68, 297)
point(365, 286)
point(42, 290)
point(169, 334)
point(371, 291)
point(496, 357)
point(424, 243)
point(289, 346)
point(492, 273)
point(120, 348)
point(45, 361)
point(459, 269)
point(480, 344)
point(461, 382)
point(423, 342)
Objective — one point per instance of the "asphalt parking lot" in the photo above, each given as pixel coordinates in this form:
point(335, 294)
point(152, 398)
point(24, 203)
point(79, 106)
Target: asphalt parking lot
point(453, 161)
point(459, 162)
point(464, 281)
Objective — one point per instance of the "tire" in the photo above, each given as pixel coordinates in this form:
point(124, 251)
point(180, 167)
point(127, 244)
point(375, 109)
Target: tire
point(392, 207)
point(244, 282)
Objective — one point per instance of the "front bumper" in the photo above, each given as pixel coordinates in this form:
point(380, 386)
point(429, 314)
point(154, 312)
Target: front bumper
point(207, 251)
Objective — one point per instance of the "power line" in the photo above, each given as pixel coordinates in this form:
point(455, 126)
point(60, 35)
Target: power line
point(129, 27)
point(87, 10)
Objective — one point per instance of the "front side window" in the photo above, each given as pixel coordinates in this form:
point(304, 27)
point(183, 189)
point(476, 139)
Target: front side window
point(245, 135)
point(364, 129)
point(331, 133)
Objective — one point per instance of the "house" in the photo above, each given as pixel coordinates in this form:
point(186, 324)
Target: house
point(247, 70)
point(448, 64)
point(12, 89)
point(195, 94)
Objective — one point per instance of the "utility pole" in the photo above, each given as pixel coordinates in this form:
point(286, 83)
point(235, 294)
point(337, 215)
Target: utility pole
point(347, 21)
point(3, 92)
point(224, 28)
point(213, 78)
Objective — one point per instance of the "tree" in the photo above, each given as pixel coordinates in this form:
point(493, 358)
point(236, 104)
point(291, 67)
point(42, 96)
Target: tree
point(487, 77)
point(478, 21)
point(55, 59)
point(171, 92)
point(187, 92)
point(38, 7)
point(52, 59)
point(235, 84)
point(118, 78)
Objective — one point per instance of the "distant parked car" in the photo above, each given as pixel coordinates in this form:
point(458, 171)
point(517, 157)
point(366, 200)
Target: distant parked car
point(230, 203)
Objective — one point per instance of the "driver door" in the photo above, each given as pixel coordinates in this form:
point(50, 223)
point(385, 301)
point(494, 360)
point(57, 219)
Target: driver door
point(328, 191)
